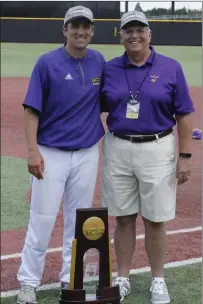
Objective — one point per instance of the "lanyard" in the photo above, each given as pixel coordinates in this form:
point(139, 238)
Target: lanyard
point(128, 84)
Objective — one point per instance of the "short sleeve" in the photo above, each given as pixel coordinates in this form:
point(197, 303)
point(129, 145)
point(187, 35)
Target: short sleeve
point(37, 87)
point(182, 99)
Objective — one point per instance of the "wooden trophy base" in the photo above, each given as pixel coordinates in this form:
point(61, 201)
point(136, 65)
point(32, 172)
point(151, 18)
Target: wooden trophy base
point(110, 295)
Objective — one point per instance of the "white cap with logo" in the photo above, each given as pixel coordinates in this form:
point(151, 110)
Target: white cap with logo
point(133, 16)
point(78, 12)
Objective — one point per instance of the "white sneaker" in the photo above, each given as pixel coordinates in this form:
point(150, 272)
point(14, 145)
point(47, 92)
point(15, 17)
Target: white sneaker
point(27, 295)
point(64, 286)
point(124, 286)
point(159, 292)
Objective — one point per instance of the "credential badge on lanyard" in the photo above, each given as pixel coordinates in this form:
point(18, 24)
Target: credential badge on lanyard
point(133, 107)
point(133, 104)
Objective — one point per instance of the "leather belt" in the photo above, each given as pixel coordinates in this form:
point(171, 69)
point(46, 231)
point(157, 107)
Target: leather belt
point(144, 138)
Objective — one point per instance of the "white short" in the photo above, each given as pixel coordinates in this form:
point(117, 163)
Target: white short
point(140, 177)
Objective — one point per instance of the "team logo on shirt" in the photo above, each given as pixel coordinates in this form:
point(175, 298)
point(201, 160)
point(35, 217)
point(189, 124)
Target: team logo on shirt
point(95, 81)
point(68, 77)
point(154, 78)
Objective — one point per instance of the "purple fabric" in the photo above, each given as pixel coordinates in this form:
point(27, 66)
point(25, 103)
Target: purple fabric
point(197, 134)
point(66, 92)
point(163, 95)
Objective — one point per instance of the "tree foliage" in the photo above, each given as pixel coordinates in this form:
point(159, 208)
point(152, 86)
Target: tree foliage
point(164, 11)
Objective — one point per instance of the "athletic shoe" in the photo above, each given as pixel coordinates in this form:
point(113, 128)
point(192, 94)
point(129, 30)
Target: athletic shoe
point(159, 292)
point(64, 286)
point(27, 295)
point(124, 286)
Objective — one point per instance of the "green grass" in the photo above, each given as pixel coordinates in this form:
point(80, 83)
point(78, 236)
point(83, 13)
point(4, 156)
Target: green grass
point(184, 283)
point(14, 185)
point(17, 60)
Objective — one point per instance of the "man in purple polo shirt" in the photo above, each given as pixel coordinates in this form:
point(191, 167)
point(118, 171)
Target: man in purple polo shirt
point(146, 95)
point(63, 128)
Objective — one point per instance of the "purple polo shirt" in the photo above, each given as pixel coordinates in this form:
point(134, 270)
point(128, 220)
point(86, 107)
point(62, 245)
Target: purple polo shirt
point(65, 91)
point(163, 94)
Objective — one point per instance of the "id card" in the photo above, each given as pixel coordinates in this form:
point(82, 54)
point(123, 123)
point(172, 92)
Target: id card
point(133, 108)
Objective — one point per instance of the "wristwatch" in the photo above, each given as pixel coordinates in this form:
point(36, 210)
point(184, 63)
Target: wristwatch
point(185, 155)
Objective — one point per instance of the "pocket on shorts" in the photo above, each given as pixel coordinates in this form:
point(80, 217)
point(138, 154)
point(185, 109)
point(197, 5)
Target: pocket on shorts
point(117, 150)
point(166, 147)
point(108, 146)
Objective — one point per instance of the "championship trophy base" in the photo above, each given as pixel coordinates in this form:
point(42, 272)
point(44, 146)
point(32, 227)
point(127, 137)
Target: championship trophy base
point(110, 295)
point(91, 231)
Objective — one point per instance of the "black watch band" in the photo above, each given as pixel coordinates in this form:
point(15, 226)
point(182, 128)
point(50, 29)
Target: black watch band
point(185, 155)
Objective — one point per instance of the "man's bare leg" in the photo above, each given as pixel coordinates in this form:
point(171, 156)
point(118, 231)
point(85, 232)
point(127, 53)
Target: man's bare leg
point(124, 241)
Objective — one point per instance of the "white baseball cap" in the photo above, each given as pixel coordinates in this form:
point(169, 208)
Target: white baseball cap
point(78, 12)
point(133, 16)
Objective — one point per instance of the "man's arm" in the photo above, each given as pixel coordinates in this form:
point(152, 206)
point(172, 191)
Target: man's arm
point(35, 160)
point(33, 106)
point(33, 103)
point(183, 112)
point(31, 122)
point(184, 128)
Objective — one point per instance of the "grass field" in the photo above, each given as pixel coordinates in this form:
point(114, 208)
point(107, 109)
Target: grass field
point(184, 282)
point(18, 60)
point(186, 277)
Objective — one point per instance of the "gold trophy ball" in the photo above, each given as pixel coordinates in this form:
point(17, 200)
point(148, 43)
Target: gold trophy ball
point(93, 228)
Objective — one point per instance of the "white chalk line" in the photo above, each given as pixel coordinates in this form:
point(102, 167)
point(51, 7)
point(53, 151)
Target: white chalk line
point(139, 237)
point(13, 293)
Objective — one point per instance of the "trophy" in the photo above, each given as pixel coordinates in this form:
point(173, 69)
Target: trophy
point(91, 231)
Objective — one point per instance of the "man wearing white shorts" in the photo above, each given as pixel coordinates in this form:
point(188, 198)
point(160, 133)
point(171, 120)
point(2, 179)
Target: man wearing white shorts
point(146, 95)
point(63, 128)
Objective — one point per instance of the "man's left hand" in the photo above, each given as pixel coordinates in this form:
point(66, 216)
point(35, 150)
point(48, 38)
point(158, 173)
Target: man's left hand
point(183, 170)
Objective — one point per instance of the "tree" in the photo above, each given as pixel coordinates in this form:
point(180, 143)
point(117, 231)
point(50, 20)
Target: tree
point(181, 11)
point(138, 7)
point(157, 12)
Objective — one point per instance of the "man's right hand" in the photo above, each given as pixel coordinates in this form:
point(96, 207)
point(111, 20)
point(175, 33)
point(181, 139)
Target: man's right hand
point(36, 164)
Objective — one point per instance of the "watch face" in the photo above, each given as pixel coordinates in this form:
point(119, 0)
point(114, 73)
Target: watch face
point(185, 155)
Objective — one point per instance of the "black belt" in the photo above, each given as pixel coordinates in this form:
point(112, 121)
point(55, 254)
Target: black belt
point(144, 138)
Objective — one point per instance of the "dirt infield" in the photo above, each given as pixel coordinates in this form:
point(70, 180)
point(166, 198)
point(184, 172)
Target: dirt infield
point(12, 94)
point(189, 209)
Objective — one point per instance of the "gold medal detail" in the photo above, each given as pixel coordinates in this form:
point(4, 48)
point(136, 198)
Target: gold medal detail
point(93, 228)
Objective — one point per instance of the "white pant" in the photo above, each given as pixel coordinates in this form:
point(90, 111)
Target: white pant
point(72, 174)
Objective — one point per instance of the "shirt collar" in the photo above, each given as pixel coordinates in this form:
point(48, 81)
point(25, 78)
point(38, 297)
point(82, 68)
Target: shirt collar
point(150, 60)
point(87, 54)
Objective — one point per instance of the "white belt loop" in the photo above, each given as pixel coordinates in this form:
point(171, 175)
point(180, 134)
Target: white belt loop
point(157, 137)
point(113, 135)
